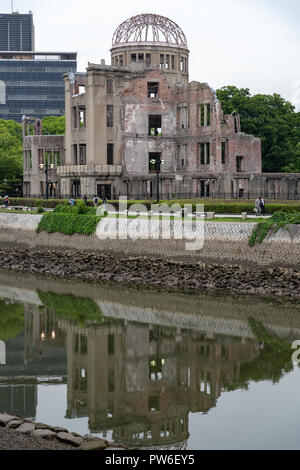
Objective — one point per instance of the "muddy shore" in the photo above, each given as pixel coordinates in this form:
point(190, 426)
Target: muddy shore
point(157, 272)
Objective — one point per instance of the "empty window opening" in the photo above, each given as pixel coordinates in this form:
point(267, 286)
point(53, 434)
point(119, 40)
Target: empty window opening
point(121, 61)
point(173, 62)
point(110, 154)
point(154, 162)
point(74, 118)
point(110, 115)
point(155, 129)
point(156, 370)
point(153, 404)
point(224, 152)
point(82, 118)
point(81, 89)
point(203, 153)
point(204, 115)
point(75, 155)
point(239, 164)
point(133, 57)
point(162, 61)
point(184, 118)
point(141, 57)
point(148, 59)
point(182, 64)
point(116, 62)
point(109, 87)
point(167, 62)
point(111, 345)
point(153, 89)
point(82, 154)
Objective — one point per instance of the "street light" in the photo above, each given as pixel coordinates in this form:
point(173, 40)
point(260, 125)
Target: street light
point(47, 167)
point(158, 162)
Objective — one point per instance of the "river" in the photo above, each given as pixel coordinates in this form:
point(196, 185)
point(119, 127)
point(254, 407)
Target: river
point(148, 368)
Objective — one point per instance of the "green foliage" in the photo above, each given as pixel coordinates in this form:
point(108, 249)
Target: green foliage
point(11, 320)
point(272, 225)
point(269, 339)
point(40, 210)
point(53, 125)
point(68, 223)
point(11, 155)
point(271, 118)
point(81, 208)
point(77, 209)
point(79, 310)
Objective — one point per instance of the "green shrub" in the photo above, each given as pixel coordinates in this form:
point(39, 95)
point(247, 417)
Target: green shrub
point(68, 223)
point(272, 225)
point(80, 310)
point(81, 208)
point(40, 210)
point(11, 320)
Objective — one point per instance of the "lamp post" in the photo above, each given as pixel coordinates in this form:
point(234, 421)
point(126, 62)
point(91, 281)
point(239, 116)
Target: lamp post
point(47, 167)
point(158, 162)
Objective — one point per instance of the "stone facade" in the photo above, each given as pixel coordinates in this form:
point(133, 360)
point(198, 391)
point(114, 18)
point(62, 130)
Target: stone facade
point(140, 117)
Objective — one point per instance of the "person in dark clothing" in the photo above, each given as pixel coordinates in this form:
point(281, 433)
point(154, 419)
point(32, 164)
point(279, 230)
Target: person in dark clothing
point(85, 199)
point(263, 206)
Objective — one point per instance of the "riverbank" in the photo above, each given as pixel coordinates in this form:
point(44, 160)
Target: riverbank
point(17, 433)
point(152, 271)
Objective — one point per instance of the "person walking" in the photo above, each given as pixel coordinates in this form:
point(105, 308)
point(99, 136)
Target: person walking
point(96, 201)
point(263, 206)
point(71, 202)
point(257, 208)
point(85, 199)
point(6, 201)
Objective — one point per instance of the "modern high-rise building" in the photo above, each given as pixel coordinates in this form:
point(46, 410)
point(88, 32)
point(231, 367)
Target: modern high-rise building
point(16, 32)
point(31, 83)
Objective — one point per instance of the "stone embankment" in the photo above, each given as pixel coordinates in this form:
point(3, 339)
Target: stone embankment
point(225, 262)
point(22, 434)
point(157, 272)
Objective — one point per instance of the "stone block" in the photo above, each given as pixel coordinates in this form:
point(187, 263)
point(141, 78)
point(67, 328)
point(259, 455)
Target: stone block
point(97, 444)
point(211, 215)
point(26, 428)
point(44, 434)
point(4, 419)
point(69, 438)
point(15, 423)
point(244, 215)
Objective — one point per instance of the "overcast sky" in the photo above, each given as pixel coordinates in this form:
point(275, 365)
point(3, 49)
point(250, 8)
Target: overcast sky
point(247, 43)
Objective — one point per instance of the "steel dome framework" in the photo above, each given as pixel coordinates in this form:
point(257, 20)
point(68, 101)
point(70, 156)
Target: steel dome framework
point(149, 28)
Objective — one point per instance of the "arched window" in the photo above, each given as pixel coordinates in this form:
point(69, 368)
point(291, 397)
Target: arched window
point(2, 92)
point(2, 353)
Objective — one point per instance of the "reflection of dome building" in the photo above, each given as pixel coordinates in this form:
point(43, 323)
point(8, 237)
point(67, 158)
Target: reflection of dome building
point(140, 382)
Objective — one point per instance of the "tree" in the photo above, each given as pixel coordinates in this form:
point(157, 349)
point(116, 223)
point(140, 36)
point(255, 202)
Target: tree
point(53, 125)
point(11, 156)
point(271, 118)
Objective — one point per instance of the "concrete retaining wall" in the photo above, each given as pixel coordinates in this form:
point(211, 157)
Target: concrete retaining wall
point(224, 243)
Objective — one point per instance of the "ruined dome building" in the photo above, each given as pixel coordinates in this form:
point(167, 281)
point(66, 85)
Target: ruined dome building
point(140, 115)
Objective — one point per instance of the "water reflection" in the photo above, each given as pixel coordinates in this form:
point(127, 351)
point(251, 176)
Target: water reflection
point(130, 366)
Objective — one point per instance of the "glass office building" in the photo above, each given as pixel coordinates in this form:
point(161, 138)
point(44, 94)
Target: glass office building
point(16, 32)
point(32, 83)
